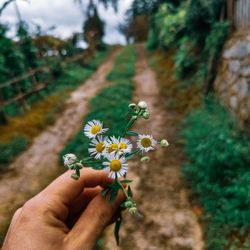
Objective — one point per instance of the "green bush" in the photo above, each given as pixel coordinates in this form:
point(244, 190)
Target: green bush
point(195, 31)
point(11, 149)
point(169, 23)
point(216, 38)
point(218, 171)
point(185, 58)
point(123, 65)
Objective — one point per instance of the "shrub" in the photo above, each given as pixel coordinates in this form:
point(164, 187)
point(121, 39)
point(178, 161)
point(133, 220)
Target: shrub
point(170, 22)
point(218, 171)
point(11, 149)
point(185, 58)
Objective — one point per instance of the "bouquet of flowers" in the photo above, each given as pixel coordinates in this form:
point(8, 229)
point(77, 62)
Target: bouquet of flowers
point(111, 154)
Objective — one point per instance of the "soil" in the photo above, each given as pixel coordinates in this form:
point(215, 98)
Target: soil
point(37, 166)
point(168, 220)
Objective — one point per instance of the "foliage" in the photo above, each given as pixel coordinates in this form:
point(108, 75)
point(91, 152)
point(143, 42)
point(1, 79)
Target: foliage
point(218, 171)
point(11, 149)
point(169, 23)
point(124, 65)
point(185, 58)
point(27, 46)
point(216, 38)
point(93, 29)
point(195, 30)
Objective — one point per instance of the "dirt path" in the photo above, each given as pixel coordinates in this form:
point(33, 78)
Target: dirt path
point(168, 220)
point(35, 168)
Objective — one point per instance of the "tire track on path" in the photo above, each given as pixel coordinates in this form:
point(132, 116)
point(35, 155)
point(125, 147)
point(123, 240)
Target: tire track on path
point(168, 220)
point(38, 165)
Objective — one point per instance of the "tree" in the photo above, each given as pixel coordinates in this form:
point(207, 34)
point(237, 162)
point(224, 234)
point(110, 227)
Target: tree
point(93, 28)
point(27, 46)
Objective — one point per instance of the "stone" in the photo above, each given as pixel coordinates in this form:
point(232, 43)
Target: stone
point(236, 87)
point(224, 66)
point(234, 66)
point(245, 71)
point(237, 51)
point(233, 102)
point(243, 88)
point(230, 78)
point(244, 114)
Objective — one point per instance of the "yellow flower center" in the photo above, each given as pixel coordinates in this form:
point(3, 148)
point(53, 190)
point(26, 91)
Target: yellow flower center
point(115, 165)
point(146, 142)
point(123, 145)
point(95, 129)
point(99, 147)
point(112, 147)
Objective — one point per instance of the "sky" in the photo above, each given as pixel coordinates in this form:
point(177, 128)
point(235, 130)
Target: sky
point(66, 16)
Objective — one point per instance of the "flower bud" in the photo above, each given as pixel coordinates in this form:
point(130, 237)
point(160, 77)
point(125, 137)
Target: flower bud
point(129, 204)
point(142, 105)
point(146, 115)
point(132, 106)
point(79, 165)
point(145, 159)
point(69, 159)
point(164, 143)
point(132, 210)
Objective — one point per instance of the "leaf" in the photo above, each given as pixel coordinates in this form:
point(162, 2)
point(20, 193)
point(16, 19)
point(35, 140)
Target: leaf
point(117, 229)
point(129, 156)
point(114, 188)
point(132, 133)
point(129, 191)
point(104, 192)
point(122, 205)
point(125, 181)
point(113, 194)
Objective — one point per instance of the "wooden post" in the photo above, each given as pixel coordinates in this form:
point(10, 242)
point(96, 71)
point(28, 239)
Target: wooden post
point(230, 11)
point(3, 118)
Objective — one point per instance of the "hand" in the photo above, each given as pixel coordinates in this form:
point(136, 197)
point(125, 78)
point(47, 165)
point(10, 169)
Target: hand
point(68, 214)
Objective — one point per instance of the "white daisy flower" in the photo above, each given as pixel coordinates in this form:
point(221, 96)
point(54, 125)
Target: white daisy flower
point(116, 166)
point(94, 128)
point(112, 145)
point(118, 145)
point(125, 146)
point(97, 147)
point(146, 143)
point(69, 159)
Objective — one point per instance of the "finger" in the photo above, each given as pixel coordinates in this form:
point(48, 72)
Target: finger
point(92, 222)
point(83, 199)
point(64, 189)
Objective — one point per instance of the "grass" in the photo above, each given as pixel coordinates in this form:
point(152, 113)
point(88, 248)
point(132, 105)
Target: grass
point(21, 129)
point(218, 172)
point(124, 65)
point(179, 97)
point(110, 106)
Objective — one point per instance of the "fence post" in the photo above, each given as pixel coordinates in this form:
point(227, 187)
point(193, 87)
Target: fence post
point(230, 11)
point(3, 118)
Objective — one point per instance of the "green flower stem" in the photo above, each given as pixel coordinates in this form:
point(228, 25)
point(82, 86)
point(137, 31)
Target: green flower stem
point(78, 171)
point(130, 124)
point(123, 189)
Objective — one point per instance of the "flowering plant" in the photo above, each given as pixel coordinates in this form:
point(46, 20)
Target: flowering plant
point(110, 154)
